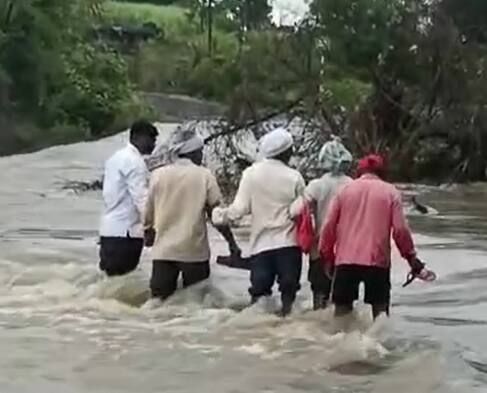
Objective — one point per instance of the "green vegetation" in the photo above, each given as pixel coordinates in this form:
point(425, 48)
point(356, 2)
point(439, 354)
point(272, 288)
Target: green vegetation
point(53, 80)
point(403, 78)
point(170, 18)
point(238, 67)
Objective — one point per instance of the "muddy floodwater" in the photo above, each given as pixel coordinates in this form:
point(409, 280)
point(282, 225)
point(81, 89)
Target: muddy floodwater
point(65, 328)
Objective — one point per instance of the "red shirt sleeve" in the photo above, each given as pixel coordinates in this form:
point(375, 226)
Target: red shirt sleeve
point(400, 230)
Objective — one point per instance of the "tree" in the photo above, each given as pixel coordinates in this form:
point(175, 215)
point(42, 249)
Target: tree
point(424, 74)
point(470, 17)
point(44, 56)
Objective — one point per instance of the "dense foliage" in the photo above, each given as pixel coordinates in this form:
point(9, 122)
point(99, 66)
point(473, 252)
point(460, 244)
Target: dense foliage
point(52, 77)
point(406, 78)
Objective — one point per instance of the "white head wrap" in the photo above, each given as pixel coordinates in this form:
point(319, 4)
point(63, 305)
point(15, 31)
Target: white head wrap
point(276, 142)
point(334, 156)
point(184, 141)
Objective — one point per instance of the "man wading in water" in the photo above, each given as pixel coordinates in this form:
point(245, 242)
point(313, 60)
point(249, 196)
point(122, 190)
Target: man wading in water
point(181, 197)
point(336, 160)
point(266, 191)
point(355, 240)
point(125, 186)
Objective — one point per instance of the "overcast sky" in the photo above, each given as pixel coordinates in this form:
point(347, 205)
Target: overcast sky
point(288, 12)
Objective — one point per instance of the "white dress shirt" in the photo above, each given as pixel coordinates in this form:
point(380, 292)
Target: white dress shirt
point(266, 192)
point(125, 187)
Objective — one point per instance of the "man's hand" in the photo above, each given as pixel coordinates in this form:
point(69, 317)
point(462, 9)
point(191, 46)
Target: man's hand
point(328, 266)
point(218, 219)
point(418, 270)
point(149, 237)
point(218, 216)
point(416, 266)
point(235, 250)
point(329, 269)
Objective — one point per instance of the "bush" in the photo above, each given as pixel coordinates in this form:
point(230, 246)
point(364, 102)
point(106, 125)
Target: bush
point(94, 88)
point(20, 136)
point(161, 66)
point(171, 19)
point(148, 2)
point(61, 86)
point(348, 92)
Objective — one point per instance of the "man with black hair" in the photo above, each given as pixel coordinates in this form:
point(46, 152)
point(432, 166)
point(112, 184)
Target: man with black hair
point(125, 186)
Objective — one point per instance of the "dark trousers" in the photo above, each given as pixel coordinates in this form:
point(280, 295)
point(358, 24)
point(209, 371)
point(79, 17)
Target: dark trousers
point(120, 255)
point(283, 264)
point(377, 282)
point(320, 283)
point(165, 274)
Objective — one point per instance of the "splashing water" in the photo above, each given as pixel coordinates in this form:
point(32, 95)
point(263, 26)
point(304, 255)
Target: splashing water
point(65, 327)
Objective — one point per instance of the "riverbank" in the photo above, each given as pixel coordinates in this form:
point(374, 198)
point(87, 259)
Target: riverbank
point(19, 138)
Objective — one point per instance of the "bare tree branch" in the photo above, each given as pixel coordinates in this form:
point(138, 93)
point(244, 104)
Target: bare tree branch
point(238, 127)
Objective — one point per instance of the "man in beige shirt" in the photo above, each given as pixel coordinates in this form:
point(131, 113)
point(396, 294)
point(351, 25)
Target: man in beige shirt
point(181, 197)
point(267, 190)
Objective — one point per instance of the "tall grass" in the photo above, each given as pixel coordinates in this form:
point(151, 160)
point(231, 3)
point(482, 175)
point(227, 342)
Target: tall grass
point(177, 62)
point(170, 18)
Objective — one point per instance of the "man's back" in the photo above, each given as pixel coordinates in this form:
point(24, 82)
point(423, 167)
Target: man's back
point(360, 222)
point(178, 199)
point(268, 188)
point(124, 191)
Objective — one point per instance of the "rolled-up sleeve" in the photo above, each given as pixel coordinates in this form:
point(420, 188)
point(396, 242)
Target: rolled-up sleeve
point(241, 204)
point(400, 230)
point(149, 206)
point(309, 195)
point(300, 185)
point(298, 204)
point(213, 192)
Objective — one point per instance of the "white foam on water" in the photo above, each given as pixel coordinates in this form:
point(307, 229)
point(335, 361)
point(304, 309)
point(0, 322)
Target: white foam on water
point(200, 310)
point(64, 325)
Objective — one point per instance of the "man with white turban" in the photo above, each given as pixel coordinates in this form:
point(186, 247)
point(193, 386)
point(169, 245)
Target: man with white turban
point(181, 197)
point(186, 140)
point(335, 159)
point(266, 191)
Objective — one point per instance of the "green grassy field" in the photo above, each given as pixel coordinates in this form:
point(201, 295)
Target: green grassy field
point(172, 19)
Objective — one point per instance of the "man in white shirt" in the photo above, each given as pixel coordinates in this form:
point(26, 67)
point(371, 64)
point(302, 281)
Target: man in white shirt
point(125, 187)
point(181, 198)
point(267, 190)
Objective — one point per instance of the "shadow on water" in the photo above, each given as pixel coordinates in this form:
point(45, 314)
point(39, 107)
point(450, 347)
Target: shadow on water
point(59, 234)
point(478, 366)
point(361, 368)
point(446, 321)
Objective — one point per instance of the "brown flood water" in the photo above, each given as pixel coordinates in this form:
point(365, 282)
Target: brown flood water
point(64, 328)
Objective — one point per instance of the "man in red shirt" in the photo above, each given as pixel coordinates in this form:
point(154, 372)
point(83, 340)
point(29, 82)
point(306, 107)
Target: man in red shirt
point(355, 239)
